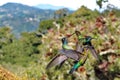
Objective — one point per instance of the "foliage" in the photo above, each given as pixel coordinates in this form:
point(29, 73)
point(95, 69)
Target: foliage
point(5, 36)
point(114, 11)
point(100, 2)
point(45, 25)
point(21, 51)
point(82, 14)
point(61, 13)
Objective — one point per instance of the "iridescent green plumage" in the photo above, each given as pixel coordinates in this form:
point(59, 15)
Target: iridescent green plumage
point(65, 43)
point(86, 42)
point(78, 64)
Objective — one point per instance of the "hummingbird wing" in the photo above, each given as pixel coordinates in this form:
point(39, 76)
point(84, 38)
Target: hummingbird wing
point(79, 48)
point(93, 51)
point(61, 64)
point(58, 59)
point(73, 54)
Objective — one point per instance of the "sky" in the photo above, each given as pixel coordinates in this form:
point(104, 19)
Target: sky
point(73, 4)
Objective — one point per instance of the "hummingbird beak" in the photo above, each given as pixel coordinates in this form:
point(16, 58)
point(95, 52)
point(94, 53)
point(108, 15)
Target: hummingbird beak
point(70, 35)
point(76, 32)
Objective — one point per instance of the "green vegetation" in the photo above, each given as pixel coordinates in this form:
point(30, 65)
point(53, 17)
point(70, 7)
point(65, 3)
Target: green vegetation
point(100, 2)
point(28, 55)
point(84, 12)
point(46, 25)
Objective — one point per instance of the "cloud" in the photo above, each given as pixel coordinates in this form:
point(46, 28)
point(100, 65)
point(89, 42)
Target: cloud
point(74, 4)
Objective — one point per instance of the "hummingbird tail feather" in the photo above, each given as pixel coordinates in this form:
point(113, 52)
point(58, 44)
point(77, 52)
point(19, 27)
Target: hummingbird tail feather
point(72, 70)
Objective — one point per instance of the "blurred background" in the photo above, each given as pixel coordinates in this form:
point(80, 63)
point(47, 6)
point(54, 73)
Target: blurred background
point(31, 32)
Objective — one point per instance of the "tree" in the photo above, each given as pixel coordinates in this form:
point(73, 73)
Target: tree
point(61, 13)
point(100, 2)
point(45, 25)
point(5, 36)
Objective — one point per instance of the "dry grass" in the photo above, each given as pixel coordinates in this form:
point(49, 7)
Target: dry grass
point(7, 75)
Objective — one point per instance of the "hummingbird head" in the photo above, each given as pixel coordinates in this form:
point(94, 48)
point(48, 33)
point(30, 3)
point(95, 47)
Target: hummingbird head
point(64, 40)
point(88, 40)
point(77, 33)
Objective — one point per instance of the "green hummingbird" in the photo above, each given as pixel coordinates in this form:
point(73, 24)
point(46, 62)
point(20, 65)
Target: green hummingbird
point(88, 44)
point(65, 53)
point(85, 42)
point(65, 43)
point(78, 64)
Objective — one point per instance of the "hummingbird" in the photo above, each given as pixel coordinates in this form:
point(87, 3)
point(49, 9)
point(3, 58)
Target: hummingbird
point(88, 44)
point(65, 53)
point(85, 42)
point(81, 62)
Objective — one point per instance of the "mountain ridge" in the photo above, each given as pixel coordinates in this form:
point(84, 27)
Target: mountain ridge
point(22, 17)
point(49, 6)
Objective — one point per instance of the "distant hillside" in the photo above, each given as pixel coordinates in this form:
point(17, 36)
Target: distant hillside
point(52, 7)
point(22, 17)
